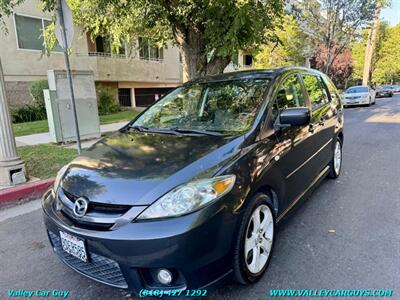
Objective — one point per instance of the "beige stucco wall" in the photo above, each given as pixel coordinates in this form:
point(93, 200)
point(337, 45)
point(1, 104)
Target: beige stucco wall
point(22, 66)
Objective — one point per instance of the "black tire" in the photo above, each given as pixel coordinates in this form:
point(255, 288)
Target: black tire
point(241, 273)
point(332, 173)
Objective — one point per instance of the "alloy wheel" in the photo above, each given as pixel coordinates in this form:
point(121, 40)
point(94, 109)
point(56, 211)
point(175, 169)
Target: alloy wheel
point(337, 158)
point(259, 237)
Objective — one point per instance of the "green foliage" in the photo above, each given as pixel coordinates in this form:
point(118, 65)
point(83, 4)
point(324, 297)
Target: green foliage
point(106, 102)
point(36, 110)
point(6, 7)
point(36, 89)
point(334, 23)
point(28, 113)
point(290, 49)
point(200, 28)
point(385, 64)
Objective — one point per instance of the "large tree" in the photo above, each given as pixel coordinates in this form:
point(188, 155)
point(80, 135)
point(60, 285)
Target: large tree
point(358, 51)
point(340, 69)
point(208, 32)
point(333, 24)
point(290, 48)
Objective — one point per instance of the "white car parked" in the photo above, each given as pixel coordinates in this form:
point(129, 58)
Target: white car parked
point(359, 95)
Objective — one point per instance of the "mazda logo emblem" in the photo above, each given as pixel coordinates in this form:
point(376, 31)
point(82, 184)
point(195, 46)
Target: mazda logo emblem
point(80, 207)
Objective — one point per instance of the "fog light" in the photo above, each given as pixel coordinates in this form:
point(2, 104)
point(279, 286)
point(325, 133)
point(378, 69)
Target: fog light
point(164, 276)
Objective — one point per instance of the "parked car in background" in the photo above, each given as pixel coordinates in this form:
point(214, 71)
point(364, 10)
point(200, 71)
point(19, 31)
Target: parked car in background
point(358, 95)
point(385, 91)
point(188, 194)
point(396, 88)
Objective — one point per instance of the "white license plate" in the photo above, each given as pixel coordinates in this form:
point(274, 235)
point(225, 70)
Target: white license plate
point(74, 246)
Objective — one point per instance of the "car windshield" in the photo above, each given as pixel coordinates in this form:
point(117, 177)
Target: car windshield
point(357, 89)
point(387, 87)
point(226, 107)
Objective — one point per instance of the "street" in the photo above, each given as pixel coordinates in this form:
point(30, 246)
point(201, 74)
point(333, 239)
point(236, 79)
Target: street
point(346, 236)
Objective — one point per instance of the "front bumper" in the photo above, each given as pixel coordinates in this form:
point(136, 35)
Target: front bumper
point(196, 247)
point(360, 101)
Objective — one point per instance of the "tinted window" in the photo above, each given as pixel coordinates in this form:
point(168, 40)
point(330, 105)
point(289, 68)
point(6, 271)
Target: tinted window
point(290, 93)
point(229, 106)
point(316, 90)
point(332, 90)
point(357, 89)
point(29, 32)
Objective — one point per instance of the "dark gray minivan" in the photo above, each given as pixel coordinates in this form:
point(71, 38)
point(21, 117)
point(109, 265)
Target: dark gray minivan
point(187, 195)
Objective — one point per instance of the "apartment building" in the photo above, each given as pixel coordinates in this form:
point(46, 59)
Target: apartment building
point(139, 77)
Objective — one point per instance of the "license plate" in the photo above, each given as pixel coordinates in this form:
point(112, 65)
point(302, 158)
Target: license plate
point(73, 245)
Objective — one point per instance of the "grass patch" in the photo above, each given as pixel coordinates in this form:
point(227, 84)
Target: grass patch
point(30, 127)
point(126, 115)
point(42, 126)
point(44, 161)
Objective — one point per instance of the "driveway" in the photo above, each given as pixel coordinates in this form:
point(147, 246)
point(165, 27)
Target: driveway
point(346, 236)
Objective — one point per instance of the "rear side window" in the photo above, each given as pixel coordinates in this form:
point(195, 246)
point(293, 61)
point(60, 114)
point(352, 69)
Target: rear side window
point(316, 90)
point(332, 90)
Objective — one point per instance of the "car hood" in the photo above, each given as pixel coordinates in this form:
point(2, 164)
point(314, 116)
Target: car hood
point(351, 95)
point(136, 168)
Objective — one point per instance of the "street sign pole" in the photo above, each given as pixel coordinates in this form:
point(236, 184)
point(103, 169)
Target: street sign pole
point(69, 76)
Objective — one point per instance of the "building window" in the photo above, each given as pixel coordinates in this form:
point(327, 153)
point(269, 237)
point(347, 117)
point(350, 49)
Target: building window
point(247, 60)
point(30, 32)
point(149, 52)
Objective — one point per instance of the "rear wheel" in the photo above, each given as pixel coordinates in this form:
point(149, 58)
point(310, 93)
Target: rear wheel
point(256, 240)
point(336, 162)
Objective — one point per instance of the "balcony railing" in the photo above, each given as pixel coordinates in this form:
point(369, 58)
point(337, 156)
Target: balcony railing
point(121, 56)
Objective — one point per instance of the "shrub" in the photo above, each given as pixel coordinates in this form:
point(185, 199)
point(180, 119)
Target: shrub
point(28, 113)
point(36, 110)
point(106, 103)
point(36, 89)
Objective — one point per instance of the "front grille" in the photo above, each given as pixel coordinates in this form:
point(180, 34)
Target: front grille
point(100, 207)
point(99, 216)
point(99, 268)
point(86, 225)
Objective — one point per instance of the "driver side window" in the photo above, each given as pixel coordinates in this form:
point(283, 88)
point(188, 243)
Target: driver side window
point(290, 94)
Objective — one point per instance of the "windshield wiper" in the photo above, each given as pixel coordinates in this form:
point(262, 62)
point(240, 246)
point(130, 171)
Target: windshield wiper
point(154, 129)
point(138, 127)
point(198, 131)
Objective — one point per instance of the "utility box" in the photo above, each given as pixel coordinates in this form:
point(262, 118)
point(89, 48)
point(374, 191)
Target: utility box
point(59, 106)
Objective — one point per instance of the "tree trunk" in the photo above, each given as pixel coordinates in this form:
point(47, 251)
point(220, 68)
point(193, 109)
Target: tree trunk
point(194, 57)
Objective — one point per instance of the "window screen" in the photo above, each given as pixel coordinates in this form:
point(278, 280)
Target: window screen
point(29, 32)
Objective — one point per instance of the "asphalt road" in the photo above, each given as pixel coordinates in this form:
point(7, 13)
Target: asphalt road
point(346, 236)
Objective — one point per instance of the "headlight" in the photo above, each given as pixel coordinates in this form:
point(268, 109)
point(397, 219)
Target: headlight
point(189, 197)
point(60, 175)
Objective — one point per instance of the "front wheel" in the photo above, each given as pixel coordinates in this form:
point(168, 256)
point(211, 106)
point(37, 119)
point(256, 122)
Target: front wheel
point(255, 241)
point(336, 162)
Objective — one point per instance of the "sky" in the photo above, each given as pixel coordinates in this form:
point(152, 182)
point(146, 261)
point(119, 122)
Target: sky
point(392, 13)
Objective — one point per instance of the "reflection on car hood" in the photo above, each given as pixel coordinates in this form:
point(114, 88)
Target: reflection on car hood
point(136, 167)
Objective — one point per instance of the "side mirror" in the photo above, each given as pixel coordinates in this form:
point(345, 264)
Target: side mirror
point(296, 116)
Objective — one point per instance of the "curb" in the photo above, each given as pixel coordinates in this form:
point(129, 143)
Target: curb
point(24, 191)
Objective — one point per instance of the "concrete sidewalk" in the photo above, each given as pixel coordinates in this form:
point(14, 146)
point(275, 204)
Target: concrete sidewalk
point(44, 138)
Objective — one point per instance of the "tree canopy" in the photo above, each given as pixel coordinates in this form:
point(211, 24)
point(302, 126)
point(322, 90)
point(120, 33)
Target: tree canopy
point(385, 63)
point(333, 24)
point(208, 32)
point(290, 48)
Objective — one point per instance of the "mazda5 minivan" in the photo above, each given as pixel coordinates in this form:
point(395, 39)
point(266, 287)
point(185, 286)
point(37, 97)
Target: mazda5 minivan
point(187, 195)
